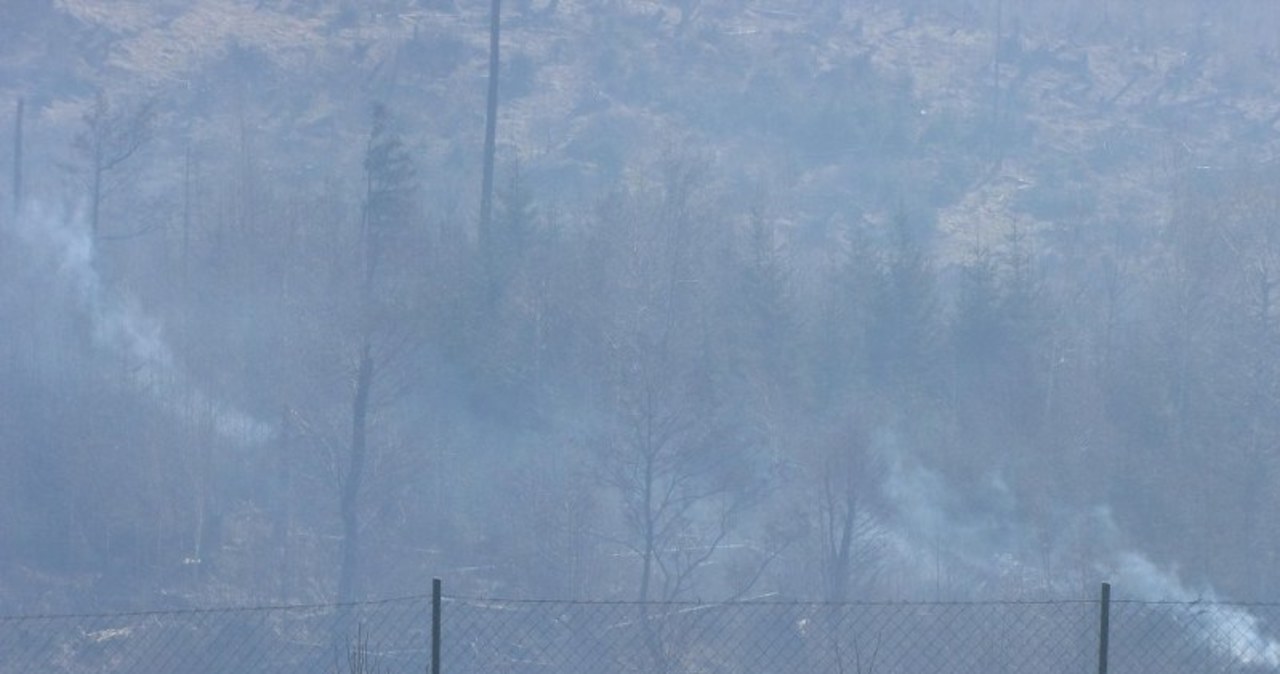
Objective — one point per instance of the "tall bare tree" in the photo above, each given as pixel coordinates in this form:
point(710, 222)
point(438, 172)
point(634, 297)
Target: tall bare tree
point(17, 159)
point(681, 472)
point(110, 137)
point(389, 187)
point(490, 133)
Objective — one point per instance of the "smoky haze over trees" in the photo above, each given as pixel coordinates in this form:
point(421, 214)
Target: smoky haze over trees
point(862, 300)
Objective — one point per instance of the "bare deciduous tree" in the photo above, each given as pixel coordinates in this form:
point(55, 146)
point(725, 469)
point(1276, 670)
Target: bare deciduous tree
point(110, 137)
point(388, 212)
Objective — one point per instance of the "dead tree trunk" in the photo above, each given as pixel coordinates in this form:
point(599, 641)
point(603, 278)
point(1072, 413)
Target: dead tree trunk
point(348, 576)
point(490, 133)
point(17, 160)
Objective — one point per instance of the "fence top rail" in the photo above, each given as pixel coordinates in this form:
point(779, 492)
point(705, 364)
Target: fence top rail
point(248, 608)
point(766, 601)
point(490, 601)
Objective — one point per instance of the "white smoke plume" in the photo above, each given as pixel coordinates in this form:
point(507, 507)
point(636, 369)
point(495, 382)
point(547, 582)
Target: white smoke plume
point(980, 539)
point(961, 543)
point(1231, 631)
point(120, 327)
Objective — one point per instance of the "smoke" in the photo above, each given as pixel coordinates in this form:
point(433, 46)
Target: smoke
point(982, 541)
point(971, 543)
point(121, 328)
point(1229, 630)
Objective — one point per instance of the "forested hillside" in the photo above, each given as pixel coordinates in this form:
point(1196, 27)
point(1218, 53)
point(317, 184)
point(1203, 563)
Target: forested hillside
point(830, 299)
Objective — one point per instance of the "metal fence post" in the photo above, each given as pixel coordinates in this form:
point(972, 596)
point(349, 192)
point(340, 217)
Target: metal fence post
point(435, 626)
point(1104, 630)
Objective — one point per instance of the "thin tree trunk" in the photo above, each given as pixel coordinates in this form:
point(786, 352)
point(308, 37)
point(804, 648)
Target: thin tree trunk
point(348, 575)
point(997, 104)
point(17, 160)
point(283, 528)
point(646, 570)
point(651, 637)
point(95, 198)
point(186, 219)
point(840, 516)
point(490, 132)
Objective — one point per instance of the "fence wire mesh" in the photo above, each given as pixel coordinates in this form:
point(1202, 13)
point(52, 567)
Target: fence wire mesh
point(565, 637)
point(267, 640)
point(1196, 636)
point(539, 638)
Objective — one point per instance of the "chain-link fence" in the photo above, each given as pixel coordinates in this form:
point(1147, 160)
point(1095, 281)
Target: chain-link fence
point(562, 637)
point(528, 638)
point(275, 640)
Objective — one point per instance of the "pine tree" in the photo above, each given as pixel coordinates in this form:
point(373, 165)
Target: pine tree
point(389, 190)
point(389, 176)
